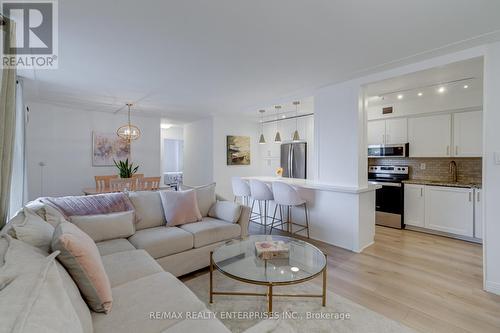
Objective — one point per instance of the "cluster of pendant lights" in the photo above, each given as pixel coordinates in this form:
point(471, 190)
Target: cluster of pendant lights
point(277, 137)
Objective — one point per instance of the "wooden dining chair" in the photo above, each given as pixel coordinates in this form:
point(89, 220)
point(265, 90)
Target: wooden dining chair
point(122, 184)
point(102, 182)
point(150, 183)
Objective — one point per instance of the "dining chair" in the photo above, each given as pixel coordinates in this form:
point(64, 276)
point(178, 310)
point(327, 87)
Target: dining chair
point(102, 182)
point(122, 184)
point(150, 183)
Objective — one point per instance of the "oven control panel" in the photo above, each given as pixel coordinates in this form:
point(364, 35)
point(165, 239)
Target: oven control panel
point(389, 169)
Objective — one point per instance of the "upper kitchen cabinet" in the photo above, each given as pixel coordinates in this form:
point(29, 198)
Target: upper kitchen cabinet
point(396, 131)
point(430, 136)
point(467, 134)
point(376, 132)
point(390, 131)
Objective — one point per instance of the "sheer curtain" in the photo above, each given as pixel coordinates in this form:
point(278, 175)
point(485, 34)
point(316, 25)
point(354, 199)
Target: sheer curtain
point(18, 190)
point(7, 125)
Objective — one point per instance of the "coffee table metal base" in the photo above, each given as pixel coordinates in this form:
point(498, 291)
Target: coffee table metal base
point(269, 286)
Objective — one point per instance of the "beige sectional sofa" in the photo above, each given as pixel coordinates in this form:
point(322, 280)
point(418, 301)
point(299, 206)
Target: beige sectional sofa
point(142, 269)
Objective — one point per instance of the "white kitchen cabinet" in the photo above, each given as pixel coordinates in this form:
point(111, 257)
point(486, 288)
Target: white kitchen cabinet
point(467, 134)
point(390, 131)
point(478, 213)
point(449, 209)
point(430, 136)
point(396, 131)
point(376, 132)
point(414, 205)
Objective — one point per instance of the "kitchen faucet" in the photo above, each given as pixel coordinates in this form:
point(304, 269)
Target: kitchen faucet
point(453, 171)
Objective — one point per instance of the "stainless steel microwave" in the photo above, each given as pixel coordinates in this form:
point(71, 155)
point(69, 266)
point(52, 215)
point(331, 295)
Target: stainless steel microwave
point(398, 150)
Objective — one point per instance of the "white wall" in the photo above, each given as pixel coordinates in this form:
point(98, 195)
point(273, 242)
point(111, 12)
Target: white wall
point(491, 170)
point(62, 139)
point(198, 152)
point(223, 126)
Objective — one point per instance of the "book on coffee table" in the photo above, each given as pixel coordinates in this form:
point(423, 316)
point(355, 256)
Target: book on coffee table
point(271, 249)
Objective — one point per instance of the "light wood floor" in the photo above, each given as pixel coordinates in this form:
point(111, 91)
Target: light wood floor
point(430, 283)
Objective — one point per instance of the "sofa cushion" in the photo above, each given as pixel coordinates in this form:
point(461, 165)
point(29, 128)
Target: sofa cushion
point(148, 209)
point(123, 267)
point(33, 295)
point(211, 230)
point(205, 195)
point(106, 226)
point(136, 300)
point(180, 207)
point(32, 229)
point(225, 210)
point(79, 255)
point(114, 246)
point(162, 241)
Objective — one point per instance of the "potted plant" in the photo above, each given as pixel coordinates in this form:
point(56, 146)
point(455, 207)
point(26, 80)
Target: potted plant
point(126, 169)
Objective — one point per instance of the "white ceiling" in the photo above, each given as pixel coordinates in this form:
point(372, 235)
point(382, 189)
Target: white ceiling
point(452, 77)
point(184, 59)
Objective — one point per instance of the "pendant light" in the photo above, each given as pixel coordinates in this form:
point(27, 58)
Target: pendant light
point(261, 139)
point(129, 132)
point(277, 137)
point(296, 136)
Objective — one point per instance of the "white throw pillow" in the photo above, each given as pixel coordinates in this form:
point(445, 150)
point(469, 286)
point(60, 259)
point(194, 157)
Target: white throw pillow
point(205, 195)
point(180, 207)
point(32, 230)
point(225, 210)
point(106, 226)
point(148, 209)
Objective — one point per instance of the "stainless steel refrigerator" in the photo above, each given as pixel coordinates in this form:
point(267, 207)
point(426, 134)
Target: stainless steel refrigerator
point(294, 159)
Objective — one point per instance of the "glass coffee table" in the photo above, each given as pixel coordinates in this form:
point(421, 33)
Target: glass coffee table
point(237, 259)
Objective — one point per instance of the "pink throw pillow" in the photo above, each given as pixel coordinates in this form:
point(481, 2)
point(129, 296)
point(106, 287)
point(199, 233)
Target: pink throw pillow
point(80, 256)
point(180, 207)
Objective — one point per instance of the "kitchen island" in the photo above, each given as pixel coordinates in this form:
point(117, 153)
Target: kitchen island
point(338, 215)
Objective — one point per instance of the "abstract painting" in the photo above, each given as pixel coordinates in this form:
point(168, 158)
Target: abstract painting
point(108, 146)
point(238, 150)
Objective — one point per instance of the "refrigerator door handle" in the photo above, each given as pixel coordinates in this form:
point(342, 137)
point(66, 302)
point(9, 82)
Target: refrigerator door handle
point(291, 161)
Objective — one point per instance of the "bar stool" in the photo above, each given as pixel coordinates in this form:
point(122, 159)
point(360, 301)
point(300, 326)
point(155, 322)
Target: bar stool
point(260, 192)
point(241, 190)
point(287, 196)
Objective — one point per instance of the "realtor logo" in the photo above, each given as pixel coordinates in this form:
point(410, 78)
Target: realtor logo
point(33, 41)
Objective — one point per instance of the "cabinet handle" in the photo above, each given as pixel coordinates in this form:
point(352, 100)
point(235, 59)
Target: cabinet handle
point(470, 196)
point(477, 196)
point(447, 150)
point(421, 192)
point(383, 138)
point(456, 150)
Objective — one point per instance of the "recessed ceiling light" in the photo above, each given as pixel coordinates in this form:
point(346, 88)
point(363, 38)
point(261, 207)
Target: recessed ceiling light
point(283, 116)
point(420, 94)
point(400, 96)
point(294, 269)
point(466, 86)
point(441, 90)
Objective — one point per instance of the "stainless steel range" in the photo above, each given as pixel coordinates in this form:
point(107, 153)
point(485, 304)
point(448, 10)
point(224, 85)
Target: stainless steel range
point(389, 198)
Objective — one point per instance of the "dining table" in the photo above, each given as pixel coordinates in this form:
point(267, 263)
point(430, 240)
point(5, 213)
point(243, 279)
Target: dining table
point(102, 190)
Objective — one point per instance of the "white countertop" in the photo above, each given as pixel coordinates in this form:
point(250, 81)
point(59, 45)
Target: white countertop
point(311, 184)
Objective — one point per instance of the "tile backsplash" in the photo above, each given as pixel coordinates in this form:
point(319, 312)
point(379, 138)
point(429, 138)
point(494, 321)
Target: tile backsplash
point(469, 170)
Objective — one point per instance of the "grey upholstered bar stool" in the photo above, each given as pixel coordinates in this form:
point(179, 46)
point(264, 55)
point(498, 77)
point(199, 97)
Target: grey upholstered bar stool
point(241, 190)
point(261, 193)
point(286, 196)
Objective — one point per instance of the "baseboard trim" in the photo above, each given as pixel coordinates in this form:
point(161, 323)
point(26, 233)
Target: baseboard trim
point(364, 247)
point(492, 287)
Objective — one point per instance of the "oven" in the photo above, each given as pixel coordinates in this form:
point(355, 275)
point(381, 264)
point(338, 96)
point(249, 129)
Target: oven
point(389, 202)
